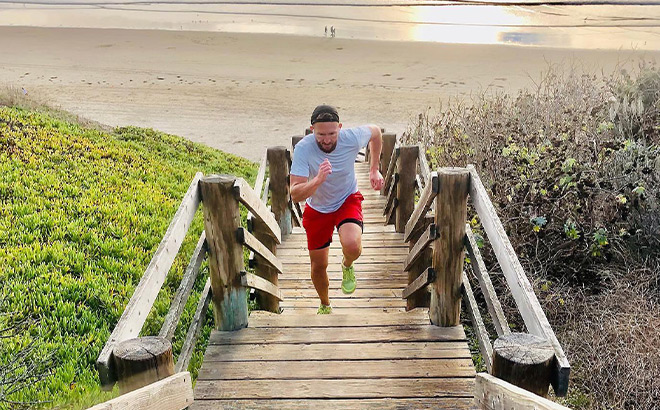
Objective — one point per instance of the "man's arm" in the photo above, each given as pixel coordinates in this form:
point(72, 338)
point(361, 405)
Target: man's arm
point(301, 188)
point(375, 147)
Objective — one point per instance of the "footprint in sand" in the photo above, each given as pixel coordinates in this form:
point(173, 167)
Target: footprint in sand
point(500, 79)
point(400, 78)
point(387, 75)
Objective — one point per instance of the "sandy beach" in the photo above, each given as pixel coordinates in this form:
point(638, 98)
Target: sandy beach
point(242, 92)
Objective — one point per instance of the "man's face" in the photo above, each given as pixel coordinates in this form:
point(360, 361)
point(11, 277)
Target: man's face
point(326, 134)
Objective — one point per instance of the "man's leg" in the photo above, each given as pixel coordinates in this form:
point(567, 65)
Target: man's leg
point(319, 259)
point(350, 236)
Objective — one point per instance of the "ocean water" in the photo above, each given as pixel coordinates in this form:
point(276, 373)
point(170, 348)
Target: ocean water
point(586, 24)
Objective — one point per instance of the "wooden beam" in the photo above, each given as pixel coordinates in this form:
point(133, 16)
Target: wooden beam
point(425, 200)
point(390, 169)
point(136, 311)
point(423, 164)
point(278, 166)
point(485, 347)
point(247, 197)
point(184, 290)
point(172, 393)
point(491, 393)
point(221, 218)
point(194, 329)
point(391, 193)
point(389, 142)
point(448, 248)
point(427, 237)
point(480, 271)
point(295, 216)
point(255, 282)
point(528, 305)
point(389, 218)
point(295, 140)
point(405, 190)
point(246, 238)
point(422, 281)
point(259, 182)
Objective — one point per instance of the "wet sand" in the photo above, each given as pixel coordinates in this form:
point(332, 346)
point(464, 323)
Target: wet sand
point(243, 92)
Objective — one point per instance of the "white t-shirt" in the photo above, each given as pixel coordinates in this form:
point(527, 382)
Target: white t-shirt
point(307, 157)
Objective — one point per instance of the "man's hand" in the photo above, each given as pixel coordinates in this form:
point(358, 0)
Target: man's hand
point(325, 169)
point(376, 179)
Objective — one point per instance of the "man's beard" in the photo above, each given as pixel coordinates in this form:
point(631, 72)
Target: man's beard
point(327, 151)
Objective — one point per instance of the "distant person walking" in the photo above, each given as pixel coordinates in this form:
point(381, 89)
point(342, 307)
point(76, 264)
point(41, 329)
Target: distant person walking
point(326, 31)
point(323, 174)
point(332, 31)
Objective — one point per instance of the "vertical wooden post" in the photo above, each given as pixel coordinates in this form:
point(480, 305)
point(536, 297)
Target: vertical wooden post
point(142, 361)
point(389, 141)
point(524, 360)
point(405, 194)
point(448, 248)
point(295, 140)
point(278, 167)
point(221, 219)
point(308, 130)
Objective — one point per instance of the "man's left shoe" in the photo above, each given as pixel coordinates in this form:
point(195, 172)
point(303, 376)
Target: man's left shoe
point(348, 282)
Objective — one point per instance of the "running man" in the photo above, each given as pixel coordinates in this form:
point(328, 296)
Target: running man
point(323, 174)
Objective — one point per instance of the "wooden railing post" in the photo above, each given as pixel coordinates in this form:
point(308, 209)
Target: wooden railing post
point(295, 140)
point(221, 220)
point(263, 269)
point(448, 248)
point(389, 141)
point(278, 166)
point(405, 194)
point(421, 298)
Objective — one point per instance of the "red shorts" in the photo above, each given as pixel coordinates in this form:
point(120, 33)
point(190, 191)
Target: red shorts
point(320, 226)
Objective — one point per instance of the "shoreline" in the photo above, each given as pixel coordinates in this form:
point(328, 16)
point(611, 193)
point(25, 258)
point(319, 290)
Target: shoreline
point(243, 92)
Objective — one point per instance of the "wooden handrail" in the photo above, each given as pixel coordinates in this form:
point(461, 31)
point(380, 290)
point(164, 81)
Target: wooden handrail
point(425, 200)
point(251, 200)
point(137, 309)
point(194, 329)
point(259, 182)
point(256, 282)
point(528, 305)
point(492, 393)
point(246, 238)
point(480, 271)
point(422, 243)
point(477, 323)
point(390, 168)
point(184, 289)
point(391, 193)
point(172, 393)
point(421, 282)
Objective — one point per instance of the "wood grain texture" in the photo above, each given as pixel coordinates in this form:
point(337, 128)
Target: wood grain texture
point(256, 282)
point(405, 192)
point(419, 283)
point(423, 205)
point(254, 204)
point(136, 311)
point(278, 167)
point(172, 393)
point(478, 326)
point(528, 305)
point(194, 329)
point(491, 393)
point(420, 246)
point(339, 404)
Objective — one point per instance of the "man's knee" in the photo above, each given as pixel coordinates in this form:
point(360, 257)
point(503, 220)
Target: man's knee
point(319, 268)
point(352, 248)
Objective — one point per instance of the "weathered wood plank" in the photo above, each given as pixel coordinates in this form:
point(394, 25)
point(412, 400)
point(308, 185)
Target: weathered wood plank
point(405, 192)
point(136, 311)
point(491, 393)
point(259, 182)
point(480, 271)
point(426, 333)
point(279, 187)
point(424, 169)
point(522, 291)
point(368, 229)
point(184, 290)
point(427, 237)
point(172, 393)
point(483, 338)
point(422, 281)
point(337, 351)
point(364, 259)
point(339, 404)
point(338, 294)
point(194, 329)
point(355, 302)
point(251, 200)
point(335, 283)
point(390, 195)
point(254, 281)
point(425, 200)
point(337, 369)
point(393, 248)
point(347, 388)
point(390, 168)
point(295, 215)
point(273, 320)
point(391, 212)
point(246, 238)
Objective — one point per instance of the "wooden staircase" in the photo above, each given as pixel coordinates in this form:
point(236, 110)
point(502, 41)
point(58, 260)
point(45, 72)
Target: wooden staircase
point(369, 353)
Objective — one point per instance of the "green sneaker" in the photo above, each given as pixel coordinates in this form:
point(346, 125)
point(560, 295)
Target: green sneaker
point(348, 281)
point(324, 310)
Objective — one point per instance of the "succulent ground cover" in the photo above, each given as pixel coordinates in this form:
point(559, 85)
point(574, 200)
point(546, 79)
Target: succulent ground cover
point(573, 168)
point(82, 212)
